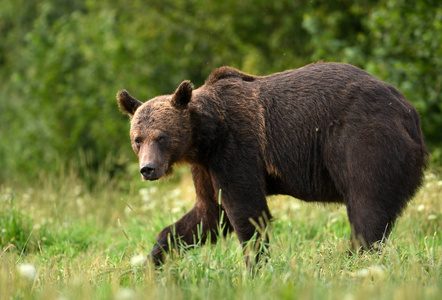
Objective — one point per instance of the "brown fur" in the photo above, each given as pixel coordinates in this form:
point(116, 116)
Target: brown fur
point(327, 132)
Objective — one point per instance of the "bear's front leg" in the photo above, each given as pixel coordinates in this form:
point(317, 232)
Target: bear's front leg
point(202, 221)
point(250, 218)
point(190, 230)
point(243, 198)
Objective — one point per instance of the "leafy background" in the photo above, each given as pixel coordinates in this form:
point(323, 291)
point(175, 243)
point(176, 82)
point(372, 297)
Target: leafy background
point(62, 62)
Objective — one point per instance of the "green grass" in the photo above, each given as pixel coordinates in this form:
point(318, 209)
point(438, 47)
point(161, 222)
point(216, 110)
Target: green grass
point(78, 243)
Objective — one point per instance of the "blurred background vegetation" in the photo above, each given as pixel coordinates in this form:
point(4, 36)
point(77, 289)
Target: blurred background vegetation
point(62, 62)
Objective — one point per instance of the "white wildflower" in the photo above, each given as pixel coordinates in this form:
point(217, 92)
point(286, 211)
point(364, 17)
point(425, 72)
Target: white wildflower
point(295, 206)
point(176, 209)
point(432, 217)
point(138, 260)
point(28, 271)
point(363, 273)
point(430, 176)
point(143, 192)
point(373, 272)
point(175, 193)
point(421, 207)
point(125, 294)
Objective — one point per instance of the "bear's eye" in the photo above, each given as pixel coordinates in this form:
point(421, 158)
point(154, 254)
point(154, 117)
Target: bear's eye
point(160, 139)
point(137, 140)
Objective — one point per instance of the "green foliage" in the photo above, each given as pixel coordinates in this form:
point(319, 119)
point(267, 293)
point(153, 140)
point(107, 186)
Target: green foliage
point(61, 63)
point(20, 231)
point(16, 227)
point(406, 50)
point(395, 40)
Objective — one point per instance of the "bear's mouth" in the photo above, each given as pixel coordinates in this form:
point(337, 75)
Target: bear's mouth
point(150, 178)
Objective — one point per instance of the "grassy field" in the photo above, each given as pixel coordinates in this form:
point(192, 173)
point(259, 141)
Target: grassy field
point(60, 240)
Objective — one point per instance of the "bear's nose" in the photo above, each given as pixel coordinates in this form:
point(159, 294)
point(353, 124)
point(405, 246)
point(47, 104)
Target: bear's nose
point(147, 170)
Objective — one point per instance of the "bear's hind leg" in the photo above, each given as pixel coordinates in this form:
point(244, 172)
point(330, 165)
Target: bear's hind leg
point(370, 222)
point(379, 171)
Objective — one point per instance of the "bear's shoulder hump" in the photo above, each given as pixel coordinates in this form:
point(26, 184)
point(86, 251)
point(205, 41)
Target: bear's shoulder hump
point(228, 72)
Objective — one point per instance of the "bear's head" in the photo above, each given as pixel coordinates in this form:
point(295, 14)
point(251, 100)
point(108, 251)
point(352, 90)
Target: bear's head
point(160, 131)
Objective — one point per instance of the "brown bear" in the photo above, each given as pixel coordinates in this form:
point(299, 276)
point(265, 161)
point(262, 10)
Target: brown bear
point(327, 132)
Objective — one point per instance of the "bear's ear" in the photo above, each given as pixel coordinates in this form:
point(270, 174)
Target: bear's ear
point(128, 104)
point(182, 95)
